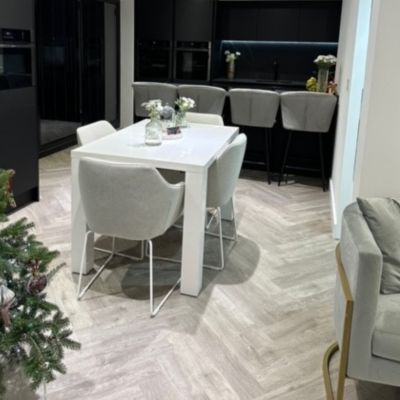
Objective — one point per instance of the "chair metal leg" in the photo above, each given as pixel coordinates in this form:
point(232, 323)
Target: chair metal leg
point(150, 248)
point(321, 157)
point(267, 153)
point(97, 274)
point(221, 246)
point(154, 311)
point(285, 157)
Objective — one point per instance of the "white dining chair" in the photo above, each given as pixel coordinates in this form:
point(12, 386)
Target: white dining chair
point(129, 201)
point(91, 132)
point(204, 118)
point(222, 179)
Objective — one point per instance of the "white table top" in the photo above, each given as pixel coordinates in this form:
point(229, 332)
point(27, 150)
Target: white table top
point(194, 152)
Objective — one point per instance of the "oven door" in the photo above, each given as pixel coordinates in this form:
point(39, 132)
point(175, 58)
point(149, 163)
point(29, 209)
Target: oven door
point(192, 65)
point(15, 66)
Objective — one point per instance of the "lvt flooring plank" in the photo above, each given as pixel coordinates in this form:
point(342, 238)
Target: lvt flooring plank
point(257, 331)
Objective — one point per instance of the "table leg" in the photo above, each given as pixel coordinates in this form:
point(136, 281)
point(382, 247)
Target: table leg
point(193, 232)
point(78, 228)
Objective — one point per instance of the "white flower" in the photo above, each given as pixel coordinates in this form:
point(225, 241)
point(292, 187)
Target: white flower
point(153, 107)
point(185, 103)
point(231, 56)
point(327, 61)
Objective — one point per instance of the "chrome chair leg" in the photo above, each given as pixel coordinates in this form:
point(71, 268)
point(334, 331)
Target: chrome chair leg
point(154, 311)
point(97, 274)
point(221, 246)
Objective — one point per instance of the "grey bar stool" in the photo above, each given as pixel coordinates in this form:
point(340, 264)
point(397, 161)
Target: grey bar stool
point(209, 99)
point(145, 91)
point(258, 108)
point(307, 112)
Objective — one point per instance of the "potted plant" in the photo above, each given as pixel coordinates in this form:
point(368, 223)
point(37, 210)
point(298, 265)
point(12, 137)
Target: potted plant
point(230, 58)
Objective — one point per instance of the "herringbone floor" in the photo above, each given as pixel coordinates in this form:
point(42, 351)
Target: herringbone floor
point(257, 331)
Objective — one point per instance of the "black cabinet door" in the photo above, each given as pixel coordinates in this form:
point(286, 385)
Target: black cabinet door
point(19, 137)
point(237, 21)
point(154, 19)
point(278, 22)
point(193, 20)
point(17, 14)
point(320, 21)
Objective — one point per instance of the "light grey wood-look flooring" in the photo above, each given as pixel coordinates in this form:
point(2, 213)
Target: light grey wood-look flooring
point(257, 331)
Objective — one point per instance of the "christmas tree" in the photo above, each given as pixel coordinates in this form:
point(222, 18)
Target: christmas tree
point(33, 331)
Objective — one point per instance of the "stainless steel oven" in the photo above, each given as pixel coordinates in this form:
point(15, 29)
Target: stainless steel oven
point(16, 63)
point(192, 61)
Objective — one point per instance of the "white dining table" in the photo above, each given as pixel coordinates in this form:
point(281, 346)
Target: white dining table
point(192, 154)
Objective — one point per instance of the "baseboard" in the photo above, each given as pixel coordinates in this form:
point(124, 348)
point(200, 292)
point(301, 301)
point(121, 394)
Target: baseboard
point(335, 223)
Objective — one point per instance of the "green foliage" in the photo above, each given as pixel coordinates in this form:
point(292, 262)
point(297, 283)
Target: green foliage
point(39, 332)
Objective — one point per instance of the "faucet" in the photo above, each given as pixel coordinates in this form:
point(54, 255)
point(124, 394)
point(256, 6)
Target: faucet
point(275, 66)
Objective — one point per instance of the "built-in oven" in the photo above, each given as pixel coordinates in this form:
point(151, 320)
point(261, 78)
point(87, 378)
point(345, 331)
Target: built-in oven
point(153, 60)
point(192, 61)
point(16, 64)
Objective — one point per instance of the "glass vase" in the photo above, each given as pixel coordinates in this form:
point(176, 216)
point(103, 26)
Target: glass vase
point(153, 132)
point(180, 119)
point(322, 81)
point(231, 69)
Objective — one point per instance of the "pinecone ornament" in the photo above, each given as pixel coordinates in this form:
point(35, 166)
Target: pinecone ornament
point(36, 284)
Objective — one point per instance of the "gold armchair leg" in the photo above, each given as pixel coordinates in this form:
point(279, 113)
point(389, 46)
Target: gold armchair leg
point(345, 344)
point(332, 349)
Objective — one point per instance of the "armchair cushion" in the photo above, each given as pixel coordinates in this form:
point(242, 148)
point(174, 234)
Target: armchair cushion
point(386, 337)
point(383, 218)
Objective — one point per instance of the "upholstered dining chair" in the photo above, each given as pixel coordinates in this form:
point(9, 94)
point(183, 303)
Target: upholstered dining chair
point(209, 99)
point(307, 112)
point(145, 91)
point(204, 118)
point(91, 132)
point(222, 179)
point(146, 207)
point(257, 108)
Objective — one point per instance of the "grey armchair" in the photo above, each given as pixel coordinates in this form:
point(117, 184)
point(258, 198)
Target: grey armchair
point(145, 208)
point(367, 322)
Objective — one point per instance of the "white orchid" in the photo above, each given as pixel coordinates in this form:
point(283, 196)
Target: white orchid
point(231, 56)
point(185, 104)
point(153, 107)
point(327, 61)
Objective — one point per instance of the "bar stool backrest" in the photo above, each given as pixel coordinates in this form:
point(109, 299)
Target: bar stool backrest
point(145, 91)
point(254, 107)
point(209, 99)
point(307, 111)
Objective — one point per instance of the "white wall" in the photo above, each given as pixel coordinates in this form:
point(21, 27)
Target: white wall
point(378, 158)
point(350, 75)
point(127, 61)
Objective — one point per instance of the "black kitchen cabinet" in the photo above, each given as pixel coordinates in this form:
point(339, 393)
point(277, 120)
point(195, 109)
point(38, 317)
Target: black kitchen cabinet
point(154, 19)
point(313, 21)
point(237, 21)
point(18, 104)
point(194, 20)
point(19, 139)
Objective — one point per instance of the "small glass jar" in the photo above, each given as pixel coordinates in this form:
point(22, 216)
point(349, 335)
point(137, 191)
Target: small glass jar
point(153, 132)
point(180, 119)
